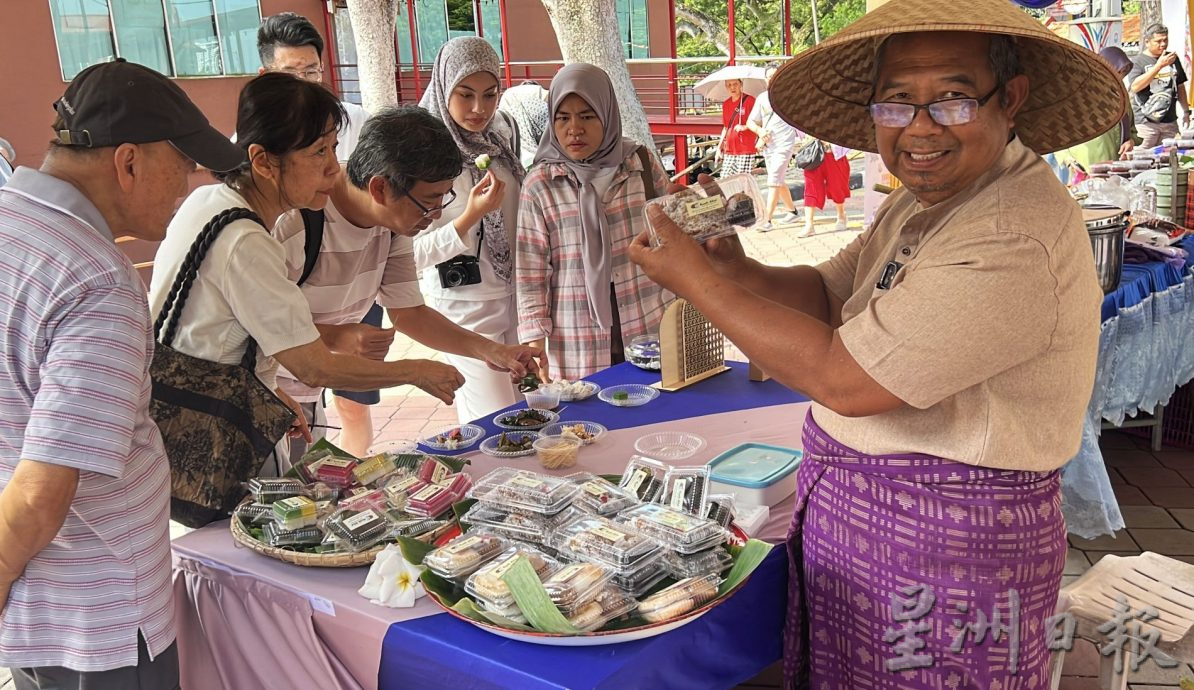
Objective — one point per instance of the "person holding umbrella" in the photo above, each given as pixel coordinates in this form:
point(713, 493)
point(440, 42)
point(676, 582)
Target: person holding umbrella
point(737, 145)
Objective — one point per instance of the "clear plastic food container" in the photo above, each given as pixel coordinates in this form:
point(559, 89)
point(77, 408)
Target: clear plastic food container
point(592, 537)
point(369, 498)
point(337, 471)
point(487, 584)
point(511, 613)
point(680, 598)
point(270, 489)
point(556, 452)
point(358, 530)
point(295, 512)
point(524, 490)
point(256, 513)
point(640, 581)
point(430, 501)
point(528, 528)
point(458, 484)
point(720, 509)
point(373, 468)
point(308, 465)
point(573, 585)
point(680, 531)
point(714, 561)
point(600, 496)
point(398, 490)
point(403, 525)
point(277, 535)
point(464, 554)
point(703, 217)
point(433, 471)
point(686, 489)
point(610, 603)
point(644, 477)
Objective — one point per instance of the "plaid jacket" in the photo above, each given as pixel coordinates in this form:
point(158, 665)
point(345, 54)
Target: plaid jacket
point(552, 300)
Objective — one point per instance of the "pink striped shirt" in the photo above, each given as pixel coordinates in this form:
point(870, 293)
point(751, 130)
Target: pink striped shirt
point(552, 300)
point(75, 389)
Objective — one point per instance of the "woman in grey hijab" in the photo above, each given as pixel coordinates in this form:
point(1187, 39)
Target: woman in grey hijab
point(466, 256)
point(582, 205)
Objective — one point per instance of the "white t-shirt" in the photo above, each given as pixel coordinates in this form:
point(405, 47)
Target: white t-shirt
point(440, 242)
point(783, 136)
point(350, 132)
point(241, 288)
point(356, 267)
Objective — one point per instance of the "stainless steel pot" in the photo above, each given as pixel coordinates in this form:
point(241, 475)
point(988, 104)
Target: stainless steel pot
point(1106, 226)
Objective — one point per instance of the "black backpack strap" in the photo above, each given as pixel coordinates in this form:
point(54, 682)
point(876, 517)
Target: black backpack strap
point(644, 157)
point(313, 240)
point(176, 299)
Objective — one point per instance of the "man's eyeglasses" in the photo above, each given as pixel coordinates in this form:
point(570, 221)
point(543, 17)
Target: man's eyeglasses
point(947, 112)
point(447, 201)
point(309, 74)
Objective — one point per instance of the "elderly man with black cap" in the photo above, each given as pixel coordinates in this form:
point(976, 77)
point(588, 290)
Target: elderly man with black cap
point(84, 504)
point(949, 350)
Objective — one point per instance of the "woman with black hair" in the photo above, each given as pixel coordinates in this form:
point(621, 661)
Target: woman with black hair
point(241, 291)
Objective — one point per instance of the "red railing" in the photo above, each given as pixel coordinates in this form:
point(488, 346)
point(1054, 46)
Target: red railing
point(664, 87)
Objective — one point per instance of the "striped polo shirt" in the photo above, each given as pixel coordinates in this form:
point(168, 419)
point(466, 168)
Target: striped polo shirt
point(356, 267)
point(75, 389)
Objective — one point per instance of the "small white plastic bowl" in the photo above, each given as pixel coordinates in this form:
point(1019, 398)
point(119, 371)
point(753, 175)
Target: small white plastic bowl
point(543, 398)
point(593, 429)
point(636, 394)
point(469, 434)
point(669, 445)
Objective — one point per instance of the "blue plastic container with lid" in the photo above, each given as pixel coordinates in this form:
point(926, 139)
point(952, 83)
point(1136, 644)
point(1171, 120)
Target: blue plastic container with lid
point(755, 473)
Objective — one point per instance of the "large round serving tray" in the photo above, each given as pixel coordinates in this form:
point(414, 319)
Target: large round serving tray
point(319, 560)
point(592, 639)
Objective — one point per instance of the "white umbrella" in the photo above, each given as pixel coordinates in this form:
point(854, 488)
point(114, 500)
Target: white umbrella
point(713, 87)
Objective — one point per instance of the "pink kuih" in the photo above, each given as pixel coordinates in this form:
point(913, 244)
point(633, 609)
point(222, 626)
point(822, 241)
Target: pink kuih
point(430, 501)
point(337, 471)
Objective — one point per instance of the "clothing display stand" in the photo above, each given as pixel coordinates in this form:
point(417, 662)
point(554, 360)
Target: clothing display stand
point(690, 348)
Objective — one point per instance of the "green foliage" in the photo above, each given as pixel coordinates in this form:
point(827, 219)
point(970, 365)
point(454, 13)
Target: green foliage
point(759, 26)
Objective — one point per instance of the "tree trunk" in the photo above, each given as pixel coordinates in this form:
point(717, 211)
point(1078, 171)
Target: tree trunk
point(1150, 13)
point(373, 23)
point(587, 31)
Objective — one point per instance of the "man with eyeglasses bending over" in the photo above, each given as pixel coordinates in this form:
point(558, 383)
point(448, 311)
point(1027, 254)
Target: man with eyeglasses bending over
point(949, 350)
point(398, 179)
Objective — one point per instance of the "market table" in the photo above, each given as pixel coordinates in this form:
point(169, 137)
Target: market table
point(246, 620)
point(1144, 355)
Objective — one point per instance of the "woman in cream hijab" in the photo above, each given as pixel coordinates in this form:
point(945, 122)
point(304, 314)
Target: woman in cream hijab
point(478, 223)
point(581, 206)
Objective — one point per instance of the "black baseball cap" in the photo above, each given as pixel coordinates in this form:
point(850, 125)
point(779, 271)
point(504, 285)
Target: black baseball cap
point(121, 102)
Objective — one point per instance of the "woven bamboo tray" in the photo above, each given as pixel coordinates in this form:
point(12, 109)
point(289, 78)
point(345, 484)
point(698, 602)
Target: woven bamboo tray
point(319, 560)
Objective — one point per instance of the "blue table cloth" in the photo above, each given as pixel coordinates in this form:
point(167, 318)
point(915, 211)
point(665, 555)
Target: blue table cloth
point(1144, 355)
point(731, 643)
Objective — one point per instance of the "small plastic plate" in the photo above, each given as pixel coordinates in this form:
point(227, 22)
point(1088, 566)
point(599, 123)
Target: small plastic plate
point(593, 428)
point(636, 394)
point(669, 445)
point(547, 414)
point(590, 389)
point(469, 434)
point(489, 446)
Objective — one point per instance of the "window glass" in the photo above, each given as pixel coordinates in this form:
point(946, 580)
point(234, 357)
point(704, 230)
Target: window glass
point(84, 32)
point(238, 21)
point(196, 46)
point(432, 20)
point(491, 24)
point(141, 33)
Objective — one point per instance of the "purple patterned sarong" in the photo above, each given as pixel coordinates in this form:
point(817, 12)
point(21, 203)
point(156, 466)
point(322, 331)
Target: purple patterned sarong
point(955, 544)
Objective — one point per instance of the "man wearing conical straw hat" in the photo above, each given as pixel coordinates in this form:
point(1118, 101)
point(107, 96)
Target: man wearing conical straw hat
point(949, 350)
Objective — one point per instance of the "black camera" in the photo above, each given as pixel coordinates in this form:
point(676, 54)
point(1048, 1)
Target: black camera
point(459, 270)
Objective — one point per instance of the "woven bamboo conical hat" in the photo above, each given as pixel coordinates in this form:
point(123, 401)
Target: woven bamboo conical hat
point(1074, 95)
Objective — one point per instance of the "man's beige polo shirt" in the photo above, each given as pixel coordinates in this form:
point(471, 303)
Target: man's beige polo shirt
point(989, 331)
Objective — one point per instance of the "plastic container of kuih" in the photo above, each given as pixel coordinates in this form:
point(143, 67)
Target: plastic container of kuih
point(610, 603)
point(680, 598)
point(643, 477)
point(576, 584)
point(465, 554)
point(686, 489)
point(642, 580)
point(487, 582)
point(600, 496)
point(532, 528)
point(703, 217)
point(680, 531)
point(509, 488)
point(357, 531)
point(595, 538)
point(755, 473)
point(709, 562)
point(270, 489)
